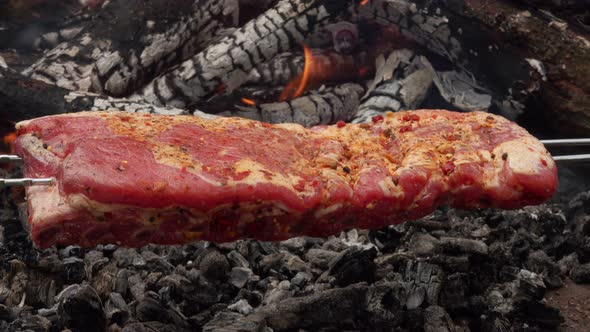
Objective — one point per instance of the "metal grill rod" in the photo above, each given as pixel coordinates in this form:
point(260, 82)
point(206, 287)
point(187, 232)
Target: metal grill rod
point(8, 158)
point(573, 157)
point(25, 182)
point(547, 143)
point(566, 142)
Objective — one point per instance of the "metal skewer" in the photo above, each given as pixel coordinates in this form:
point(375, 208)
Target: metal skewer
point(567, 142)
point(573, 157)
point(7, 158)
point(548, 143)
point(22, 182)
point(25, 182)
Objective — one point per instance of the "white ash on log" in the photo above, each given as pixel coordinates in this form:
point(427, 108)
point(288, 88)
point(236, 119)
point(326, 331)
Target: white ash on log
point(401, 82)
point(279, 71)
point(404, 79)
point(22, 97)
point(118, 52)
point(64, 32)
point(469, 35)
point(325, 106)
point(227, 64)
point(460, 41)
point(265, 87)
point(327, 66)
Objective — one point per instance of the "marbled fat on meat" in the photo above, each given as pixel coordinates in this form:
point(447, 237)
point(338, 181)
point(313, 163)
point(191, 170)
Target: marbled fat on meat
point(134, 179)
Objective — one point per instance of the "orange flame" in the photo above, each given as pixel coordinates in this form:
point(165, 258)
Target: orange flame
point(249, 102)
point(8, 140)
point(321, 67)
point(300, 83)
point(364, 2)
point(306, 70)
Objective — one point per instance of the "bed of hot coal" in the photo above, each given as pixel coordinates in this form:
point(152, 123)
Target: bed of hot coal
point(487, 270)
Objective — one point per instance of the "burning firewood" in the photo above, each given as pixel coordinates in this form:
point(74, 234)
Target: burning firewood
point(21, 97)
point(118, 53)
point(327, 66)
point(402, 82)
point(493, 40)
point(467, 35)
point(229, 62)
point(326, 106)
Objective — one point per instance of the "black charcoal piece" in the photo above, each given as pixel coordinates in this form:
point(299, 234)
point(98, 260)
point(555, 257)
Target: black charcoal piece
point(79, 307)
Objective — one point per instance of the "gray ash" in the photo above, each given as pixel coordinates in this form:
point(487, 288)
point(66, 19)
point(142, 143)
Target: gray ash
point(484, 270)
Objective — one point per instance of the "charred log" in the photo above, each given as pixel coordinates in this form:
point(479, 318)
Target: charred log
point(224, 66)
point(22, 98)
point(520, 56)
point(327, 65)
point(123, 48)
point(402, 82)
point(317, 108)
point(563, 55)
point(278, 71)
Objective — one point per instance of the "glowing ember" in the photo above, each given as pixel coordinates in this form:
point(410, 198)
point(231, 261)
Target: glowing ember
point(9, 139)
point(220, 89)
point(364, 71)
point(248, 101)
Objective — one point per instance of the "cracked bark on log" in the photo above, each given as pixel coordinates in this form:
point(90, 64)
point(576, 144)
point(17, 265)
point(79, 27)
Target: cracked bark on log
point(129, 43)
point(226, 65)
point(527, 60)
point(494, 40)
point(564, 55)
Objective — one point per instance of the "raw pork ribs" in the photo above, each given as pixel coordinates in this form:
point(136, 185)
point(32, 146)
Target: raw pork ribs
point(134, 179)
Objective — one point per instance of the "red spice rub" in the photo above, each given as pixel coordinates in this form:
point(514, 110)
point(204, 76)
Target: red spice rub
point(133, 179)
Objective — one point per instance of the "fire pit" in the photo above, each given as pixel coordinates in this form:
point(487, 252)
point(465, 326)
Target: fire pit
point(311, 62)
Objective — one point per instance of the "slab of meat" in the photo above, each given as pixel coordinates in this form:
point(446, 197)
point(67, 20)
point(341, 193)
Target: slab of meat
point(134, 179)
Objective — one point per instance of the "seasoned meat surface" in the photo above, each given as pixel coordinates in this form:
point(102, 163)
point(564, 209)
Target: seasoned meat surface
point(134, 179)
